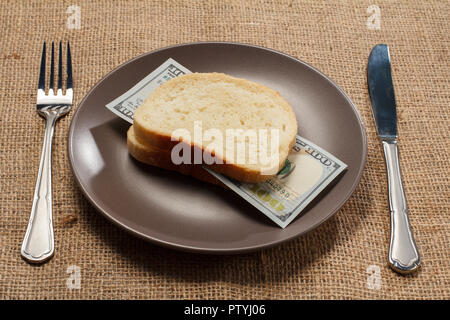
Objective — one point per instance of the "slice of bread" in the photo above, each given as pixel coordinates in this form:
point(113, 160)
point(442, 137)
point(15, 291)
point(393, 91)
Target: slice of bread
point(161, 158)
point(222, 103)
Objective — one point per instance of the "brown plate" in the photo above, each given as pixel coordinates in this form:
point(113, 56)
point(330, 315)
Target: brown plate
point(181, 212)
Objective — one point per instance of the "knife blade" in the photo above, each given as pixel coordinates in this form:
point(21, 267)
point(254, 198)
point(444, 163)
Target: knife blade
point(403, 253)
point(381, 91)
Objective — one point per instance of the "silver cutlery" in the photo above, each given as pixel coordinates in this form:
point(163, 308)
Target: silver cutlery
point(38, 244)
point(403, 253)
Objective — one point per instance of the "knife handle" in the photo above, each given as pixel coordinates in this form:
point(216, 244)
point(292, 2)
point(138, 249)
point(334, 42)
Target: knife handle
point(403, 253)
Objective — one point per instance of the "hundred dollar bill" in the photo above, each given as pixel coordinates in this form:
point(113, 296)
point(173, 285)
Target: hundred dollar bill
point(308, 169)
point(125, 105)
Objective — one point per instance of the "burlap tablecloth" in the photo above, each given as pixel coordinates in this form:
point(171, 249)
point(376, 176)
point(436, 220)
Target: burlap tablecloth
point(339, 259)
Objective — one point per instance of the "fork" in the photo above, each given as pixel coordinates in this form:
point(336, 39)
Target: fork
point(38, 244)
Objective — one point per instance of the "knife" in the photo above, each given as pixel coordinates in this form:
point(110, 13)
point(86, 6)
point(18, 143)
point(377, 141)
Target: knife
point(403, 253)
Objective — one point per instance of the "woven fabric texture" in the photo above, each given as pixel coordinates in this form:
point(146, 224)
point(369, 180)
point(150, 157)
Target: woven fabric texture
point(339, 259)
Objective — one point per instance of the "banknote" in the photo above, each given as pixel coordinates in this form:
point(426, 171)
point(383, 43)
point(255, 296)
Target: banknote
point(125, 105)
point(308, 169)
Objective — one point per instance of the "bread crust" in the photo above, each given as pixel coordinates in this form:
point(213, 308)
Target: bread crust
point(160, 158)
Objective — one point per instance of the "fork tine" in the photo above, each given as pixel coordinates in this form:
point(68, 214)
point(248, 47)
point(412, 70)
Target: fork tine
point(60, 67)
point(52, 68)
point(69, 67)
point(41, 84)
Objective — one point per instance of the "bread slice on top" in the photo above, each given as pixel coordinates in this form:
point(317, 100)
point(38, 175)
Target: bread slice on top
point(218, 103)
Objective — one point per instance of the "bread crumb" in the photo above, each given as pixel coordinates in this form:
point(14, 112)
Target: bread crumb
point(69, 218)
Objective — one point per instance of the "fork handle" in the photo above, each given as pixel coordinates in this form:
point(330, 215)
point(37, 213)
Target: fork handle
point(403, 253)
point(38, 244)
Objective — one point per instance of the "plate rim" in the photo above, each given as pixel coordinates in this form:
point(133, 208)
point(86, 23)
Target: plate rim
point(197, 249)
